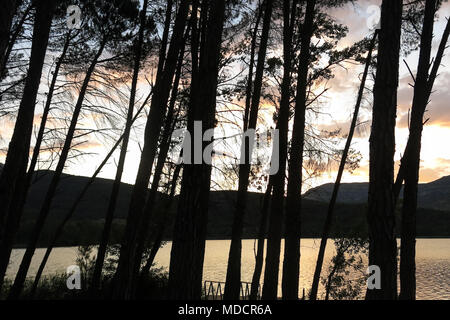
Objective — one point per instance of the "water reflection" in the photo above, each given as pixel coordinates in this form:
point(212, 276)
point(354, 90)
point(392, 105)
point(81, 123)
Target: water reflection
point(433, 263)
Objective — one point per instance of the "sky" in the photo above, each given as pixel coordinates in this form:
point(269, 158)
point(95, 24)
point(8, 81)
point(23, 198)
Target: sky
point(435, 156)
point(336, 113)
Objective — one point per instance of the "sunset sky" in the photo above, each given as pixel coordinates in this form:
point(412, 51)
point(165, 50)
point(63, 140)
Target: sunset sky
point(337, 110)
point(435, 157)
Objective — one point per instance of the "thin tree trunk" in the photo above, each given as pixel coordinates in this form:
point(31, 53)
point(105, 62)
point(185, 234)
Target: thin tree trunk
point(330, 212)
point(412, 163)
point(123, 287)
point(381, 212)
point(249, 88)
point(169, 126)
point(433, 75)
point(7, 39)
point(259, 259)
point(19, 281)
point(6, 18)
point(48, 103)
point(97, 274)
point(188, 246)
point(13, 175)
point(161, 229)
point(270, 287)
point(233, 279)
point(165, 144)
point(75, 204)
point(329, 280)
point(164, 40)
point(18, 205)
point(291, 263)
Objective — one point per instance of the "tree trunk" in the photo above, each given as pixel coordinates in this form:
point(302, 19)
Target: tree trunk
point(125, 271)
point(249, 88)
point(74, 206)
point(19, 204)
point(270, 287)
point(159, 237)
point(291, 263)
point(169, 125)
point(19, 281)
point(6, 17)
point(188, 246)
point(48, 103)
point(259, 259)
point(233, 279)
point(14, 171)
point(164, 39)
point(412, 163)
point(165, 144)
point(330, 212)
point(381, 212)
point(433, 75)
point(97, 274)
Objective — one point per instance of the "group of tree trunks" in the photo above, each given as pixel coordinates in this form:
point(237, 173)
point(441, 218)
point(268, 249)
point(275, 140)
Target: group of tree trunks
point(199, 26)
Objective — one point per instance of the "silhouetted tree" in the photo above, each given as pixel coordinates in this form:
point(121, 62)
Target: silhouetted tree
point(13, 62)
point(270, 287)
point(348, 260)
point(251, 66)
point(233, 282)
point(126, 270)
point(162, 227)
point(97, 273)
point(46, 111)
point(13, 175)
point(188, 247)
point(408, 234)
point(381, 219)
point(291, 263)
point(259, 258)
point(18, 206)
point(171, 120)
point(59, 230)
point(330, 212)
point(107, 25)
point(6, 18)
point(423, 86)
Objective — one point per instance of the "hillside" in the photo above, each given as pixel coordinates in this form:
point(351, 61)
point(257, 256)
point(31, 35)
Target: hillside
point(85, 226)
point(433, 195)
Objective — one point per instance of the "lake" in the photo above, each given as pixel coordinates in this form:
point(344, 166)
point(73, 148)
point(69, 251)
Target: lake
point(432, 258)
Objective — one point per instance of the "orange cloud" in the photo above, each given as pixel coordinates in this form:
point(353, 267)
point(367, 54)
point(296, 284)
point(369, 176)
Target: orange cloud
point(438, 110)
point(441, 169)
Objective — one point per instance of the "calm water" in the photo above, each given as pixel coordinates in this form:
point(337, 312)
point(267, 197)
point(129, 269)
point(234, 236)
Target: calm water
point(433, 263)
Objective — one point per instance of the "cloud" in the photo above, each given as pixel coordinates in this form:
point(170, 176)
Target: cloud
point(438, 110)
point(346, 80)
point(362, 130)
point(355, 16)
point(428, 174)
point(440, 169)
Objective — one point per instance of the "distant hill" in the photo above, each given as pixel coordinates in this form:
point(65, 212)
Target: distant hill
point(433, 195)
point(86, 225)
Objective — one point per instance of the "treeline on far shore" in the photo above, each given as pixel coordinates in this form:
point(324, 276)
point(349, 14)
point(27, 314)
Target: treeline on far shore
point(350, 222)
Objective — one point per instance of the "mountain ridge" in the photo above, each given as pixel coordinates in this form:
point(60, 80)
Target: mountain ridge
point(431, 195)
point(86, 224)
